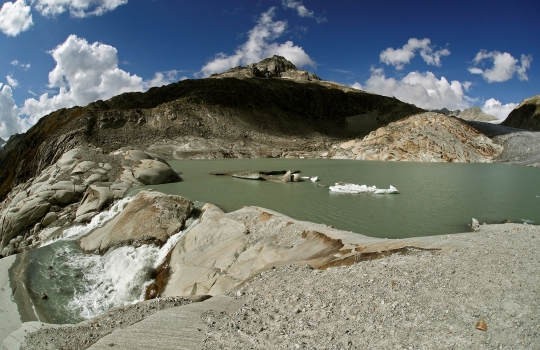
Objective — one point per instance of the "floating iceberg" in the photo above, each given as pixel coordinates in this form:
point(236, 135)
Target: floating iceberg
point(341, 187)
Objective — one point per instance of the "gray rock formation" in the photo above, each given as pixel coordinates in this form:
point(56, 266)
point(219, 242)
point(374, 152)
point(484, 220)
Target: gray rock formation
point(447, 112)
point(427, 137)
point(150, 216)
point(526, 115)
point(476, 114)
point(272, 67)
point(82, 183)
point(226, 249)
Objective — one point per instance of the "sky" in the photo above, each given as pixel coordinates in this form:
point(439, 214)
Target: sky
point(434, 54)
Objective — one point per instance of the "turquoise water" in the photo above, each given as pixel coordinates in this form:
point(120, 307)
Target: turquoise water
point(434, 198)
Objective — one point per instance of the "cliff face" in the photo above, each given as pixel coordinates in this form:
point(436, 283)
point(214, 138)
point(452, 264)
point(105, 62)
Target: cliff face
point(261, 112)
point(526, 115)
point(427, 137)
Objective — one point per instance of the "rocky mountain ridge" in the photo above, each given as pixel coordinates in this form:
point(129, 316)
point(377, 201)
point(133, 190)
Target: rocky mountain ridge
point(526, 115)
point(473, 113)
point(272, 67)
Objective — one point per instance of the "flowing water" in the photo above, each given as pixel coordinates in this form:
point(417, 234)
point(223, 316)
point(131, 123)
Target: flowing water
point(433, 199)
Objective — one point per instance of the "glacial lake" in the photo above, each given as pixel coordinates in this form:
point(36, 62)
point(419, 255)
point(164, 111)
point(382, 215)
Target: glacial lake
point(433, 199)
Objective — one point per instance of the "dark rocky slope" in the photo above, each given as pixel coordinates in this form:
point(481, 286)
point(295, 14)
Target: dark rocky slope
point(266, 111)
point(526, 115)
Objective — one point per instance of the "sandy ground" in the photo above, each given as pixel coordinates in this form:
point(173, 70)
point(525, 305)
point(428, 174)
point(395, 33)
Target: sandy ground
point(421, 300)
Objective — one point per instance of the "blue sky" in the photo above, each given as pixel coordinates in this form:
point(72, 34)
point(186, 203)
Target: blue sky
point(435, 54)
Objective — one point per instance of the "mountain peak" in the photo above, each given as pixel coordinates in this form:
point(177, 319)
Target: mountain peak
point(271, 67)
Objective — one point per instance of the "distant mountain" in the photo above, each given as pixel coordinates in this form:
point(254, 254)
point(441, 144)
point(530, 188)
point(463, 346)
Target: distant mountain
point(272, 67)
point(447, 112)
point(476, 114)
point(526, 115)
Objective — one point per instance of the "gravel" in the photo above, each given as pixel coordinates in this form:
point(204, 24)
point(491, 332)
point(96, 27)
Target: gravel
point(422, 300)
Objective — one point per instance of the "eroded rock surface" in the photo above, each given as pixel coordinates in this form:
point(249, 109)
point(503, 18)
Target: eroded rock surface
point(427, 137)
point(82, 183)
point(476, 114)
point(226, 249)
point(150, 216)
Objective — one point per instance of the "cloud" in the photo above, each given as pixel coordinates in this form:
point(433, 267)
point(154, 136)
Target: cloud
point(163, 78)
point(84, 73)
point(77, 8)
point(24, 66)
point(302, 10)
point(357, 86)
point(399, 57)
point(497, 109)
point(260, 45)
point(15, 17)
point(11, 81)
point(424, 90)
point(10, 123)
point(504, 66)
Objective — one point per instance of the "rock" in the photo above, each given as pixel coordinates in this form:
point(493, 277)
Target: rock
point(92, 178)
point(136, 155)
point(153, 172)
point(95, 199)
point(150, 216)
point(526, 115)
point(62, 197)
point(49, 219)
point(427, 137)
point(33, 209)
point(119, 189)
point(476, 114)
point(83, 167)
point(475, 225)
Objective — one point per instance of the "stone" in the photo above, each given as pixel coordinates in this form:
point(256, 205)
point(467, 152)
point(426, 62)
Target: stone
point(62, 197)
point(153, 172)
point(150, 216)
point(92, 178)
point(526, 115)
point(119, 189)
point(136, 155)
point(95, 199)
point(49, 219)
point(83, 167)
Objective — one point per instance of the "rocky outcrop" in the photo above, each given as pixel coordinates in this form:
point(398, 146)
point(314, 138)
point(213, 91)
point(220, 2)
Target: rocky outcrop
point(272, 67)
point(226, 249)
point(427, 137)
point(150, 216)
point(526, 115)
point(447, 112)
point(82, 183)
point(476, 114)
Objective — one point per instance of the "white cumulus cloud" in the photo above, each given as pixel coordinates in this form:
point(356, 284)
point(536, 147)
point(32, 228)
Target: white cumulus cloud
point(301, 10)
point(11, 81)
point(497, 109)
point(24, 66)
point(505, 66)
point(10, 123)
point(15, 17)
point(401, 56)
point(164, 78)
point(84, 73)
point(424, 90)
point(77, 8)
point(260, 45)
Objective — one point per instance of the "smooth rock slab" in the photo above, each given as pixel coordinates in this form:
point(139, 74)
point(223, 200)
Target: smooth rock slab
point(149, 216)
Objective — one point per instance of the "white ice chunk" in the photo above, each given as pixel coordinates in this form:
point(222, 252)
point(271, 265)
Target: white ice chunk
point(352, 188)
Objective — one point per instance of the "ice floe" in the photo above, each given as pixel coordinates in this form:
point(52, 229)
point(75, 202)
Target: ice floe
point(341, 187)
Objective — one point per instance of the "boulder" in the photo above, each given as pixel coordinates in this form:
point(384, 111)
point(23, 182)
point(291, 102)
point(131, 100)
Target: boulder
point(49, 219)
point(95, 199)
point(14, 221)
point(153, 172)
point(83, 167)
point(150, 216)
point(62, 197)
